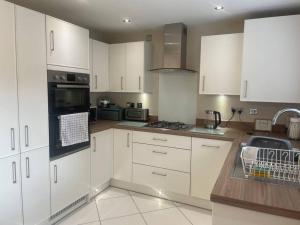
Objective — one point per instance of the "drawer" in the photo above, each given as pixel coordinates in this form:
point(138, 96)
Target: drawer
point(162, 139)
point(161, 179)
point(164, 157)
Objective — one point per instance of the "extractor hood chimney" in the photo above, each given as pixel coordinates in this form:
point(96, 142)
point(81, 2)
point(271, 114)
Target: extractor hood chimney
point(174, 48)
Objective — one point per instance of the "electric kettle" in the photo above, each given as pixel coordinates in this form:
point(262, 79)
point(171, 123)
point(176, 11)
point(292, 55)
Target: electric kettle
point(213, 119)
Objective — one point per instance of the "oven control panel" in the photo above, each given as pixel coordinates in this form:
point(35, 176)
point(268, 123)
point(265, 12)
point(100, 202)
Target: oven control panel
point(67, 77)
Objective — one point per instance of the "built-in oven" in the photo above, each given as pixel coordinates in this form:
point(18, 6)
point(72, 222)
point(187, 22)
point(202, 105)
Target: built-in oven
point(68, 93)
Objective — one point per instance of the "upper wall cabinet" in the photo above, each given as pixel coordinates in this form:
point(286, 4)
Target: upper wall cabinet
point(67, 46)
point(99, 66)
point(220, 64)
point(271, 54)
point(128, 67)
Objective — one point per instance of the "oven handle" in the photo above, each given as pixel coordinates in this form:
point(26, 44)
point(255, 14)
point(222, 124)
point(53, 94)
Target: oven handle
point(72, 86)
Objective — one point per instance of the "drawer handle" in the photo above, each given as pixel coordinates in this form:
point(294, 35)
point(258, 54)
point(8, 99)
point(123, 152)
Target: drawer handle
point(159, 174)
point(211, 146)
point(158, 152)
point(159, 139)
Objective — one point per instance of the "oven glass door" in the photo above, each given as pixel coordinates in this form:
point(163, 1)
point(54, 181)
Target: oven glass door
point(69, 99)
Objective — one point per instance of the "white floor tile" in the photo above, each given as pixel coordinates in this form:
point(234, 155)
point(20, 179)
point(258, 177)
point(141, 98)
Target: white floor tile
point(86, 214)
point(147, 203)
point(170, 216)
point(197, 216)
point(126, 220)
point(116, 207)
point(112, 192)
point(92, 223)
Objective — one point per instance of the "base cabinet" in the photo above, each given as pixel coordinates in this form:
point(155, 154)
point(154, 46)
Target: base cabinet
point(35, 186)
point(70, 179)
point(10, 191)
point(123, 155)
point(101, 160)
point(208, 157)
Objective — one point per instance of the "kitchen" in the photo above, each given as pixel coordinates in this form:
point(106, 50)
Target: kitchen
point(220, 73)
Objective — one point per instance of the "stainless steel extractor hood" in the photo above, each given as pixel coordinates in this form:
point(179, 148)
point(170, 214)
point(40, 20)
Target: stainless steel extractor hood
point(174, 49)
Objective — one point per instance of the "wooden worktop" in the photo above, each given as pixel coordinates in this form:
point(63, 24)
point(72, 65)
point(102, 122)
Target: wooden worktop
point(281, 200)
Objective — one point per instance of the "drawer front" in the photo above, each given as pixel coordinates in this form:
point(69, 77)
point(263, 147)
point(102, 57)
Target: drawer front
point(161, 179)
point(162, 139)
point(164, 157)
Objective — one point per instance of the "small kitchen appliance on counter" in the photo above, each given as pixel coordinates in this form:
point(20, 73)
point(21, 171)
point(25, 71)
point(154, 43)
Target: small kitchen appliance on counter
point(112, 112)
point(213, 119)
point(136, 114)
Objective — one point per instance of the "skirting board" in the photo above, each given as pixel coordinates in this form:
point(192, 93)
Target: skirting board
point(202, 203)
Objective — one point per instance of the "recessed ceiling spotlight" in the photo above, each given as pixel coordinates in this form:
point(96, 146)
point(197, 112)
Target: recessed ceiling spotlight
point(127, 20)
point(219, 7)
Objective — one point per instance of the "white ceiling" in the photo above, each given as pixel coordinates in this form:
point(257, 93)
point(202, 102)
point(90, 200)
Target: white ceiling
point(106, 15)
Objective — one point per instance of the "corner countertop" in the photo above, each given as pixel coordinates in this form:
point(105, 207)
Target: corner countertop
point(276, 199)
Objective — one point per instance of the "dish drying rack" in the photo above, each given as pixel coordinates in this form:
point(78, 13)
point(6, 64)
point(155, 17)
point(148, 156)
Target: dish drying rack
point(267, 163)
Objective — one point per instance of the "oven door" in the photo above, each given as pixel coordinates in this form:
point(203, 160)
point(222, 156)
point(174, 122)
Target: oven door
point(56, 149)
point(68, 98)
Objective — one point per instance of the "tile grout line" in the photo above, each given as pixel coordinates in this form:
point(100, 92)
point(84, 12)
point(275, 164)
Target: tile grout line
point(118, 217)
point(98, 211)
point(184, 215)
point(138, 208)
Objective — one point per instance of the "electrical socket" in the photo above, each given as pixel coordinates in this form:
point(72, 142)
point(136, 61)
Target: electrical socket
point(253, 112)
point(240, 110)
point(233, 109)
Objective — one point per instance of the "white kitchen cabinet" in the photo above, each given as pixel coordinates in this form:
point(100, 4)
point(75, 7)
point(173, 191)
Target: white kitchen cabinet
point(35, 186)
point(117, 67)
point(270, 68)
point(10, 190)
point(32, 78)
point(70, 179)
point(101, 160)
point(99, 79)
point(129, 65)
point(122, 155)
point(208, 157)
point(67, 45)
point(161, 179)
point(220, 64)
point(9, 129)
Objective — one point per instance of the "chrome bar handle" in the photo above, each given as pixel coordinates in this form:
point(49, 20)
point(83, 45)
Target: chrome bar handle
point(128, 145)
point(95, 144)
point(159, 174)
point(211, 146)
point(55, 174)
point(26, 136)
point(14, 172)
point(27, 168)
point(139, 82)
point(246, 89)
point(96, 81)
point(12, 139)
point(51, 40)
point(159, 139)
point(121, 82)
point(159, 152)
point(203, 83)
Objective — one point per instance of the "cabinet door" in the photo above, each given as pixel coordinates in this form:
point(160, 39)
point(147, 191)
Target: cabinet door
point(35, 186)
point(135, 66)
point(208, 157)
point(9, 129)
point(101, 160)
point(123, 155)
point(10, 191)
point(220, 66)
point(99, 74)
point(32, 79)
point(67, 44)
point(271, 67)
point(70, 179)
point(117, 67)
